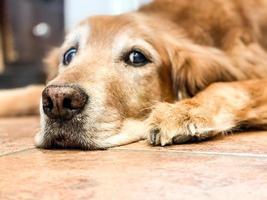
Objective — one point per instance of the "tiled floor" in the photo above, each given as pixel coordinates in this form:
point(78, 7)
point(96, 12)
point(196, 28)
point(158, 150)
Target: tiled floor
point(232, 167)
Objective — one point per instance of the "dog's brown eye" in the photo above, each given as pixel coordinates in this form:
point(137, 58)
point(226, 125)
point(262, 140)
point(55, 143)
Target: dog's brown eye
point(136, 59)
point(68, 55)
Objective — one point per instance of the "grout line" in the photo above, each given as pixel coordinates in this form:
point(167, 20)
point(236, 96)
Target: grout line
point(206, 153)
point(251, 155)
point(209, 153)
point(16, 152)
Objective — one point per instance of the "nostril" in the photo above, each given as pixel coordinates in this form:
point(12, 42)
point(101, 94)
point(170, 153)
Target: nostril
point(67, 103)
point(48, 103)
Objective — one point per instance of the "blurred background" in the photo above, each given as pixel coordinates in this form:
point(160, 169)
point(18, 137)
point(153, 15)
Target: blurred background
point(29, 28)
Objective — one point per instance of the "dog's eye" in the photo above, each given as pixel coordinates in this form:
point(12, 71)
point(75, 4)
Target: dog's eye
point(68, 55)
point(136, 59)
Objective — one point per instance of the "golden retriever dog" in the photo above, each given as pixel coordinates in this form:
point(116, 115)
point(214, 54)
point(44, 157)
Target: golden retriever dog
point(174, 71)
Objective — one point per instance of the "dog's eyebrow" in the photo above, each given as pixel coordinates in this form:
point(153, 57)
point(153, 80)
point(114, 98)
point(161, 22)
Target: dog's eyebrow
point(79, 37)
point(124, 42)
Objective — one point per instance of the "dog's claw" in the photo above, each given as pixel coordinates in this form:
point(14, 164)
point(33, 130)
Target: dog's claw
point(154, 136)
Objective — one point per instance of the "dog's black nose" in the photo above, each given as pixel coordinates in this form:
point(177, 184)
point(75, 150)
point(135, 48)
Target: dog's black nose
point(63, 102)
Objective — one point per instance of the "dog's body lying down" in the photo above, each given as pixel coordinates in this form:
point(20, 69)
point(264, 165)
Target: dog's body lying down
point(172, 72)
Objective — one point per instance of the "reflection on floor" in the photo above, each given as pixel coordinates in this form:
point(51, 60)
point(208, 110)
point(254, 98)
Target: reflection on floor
point(232, 167)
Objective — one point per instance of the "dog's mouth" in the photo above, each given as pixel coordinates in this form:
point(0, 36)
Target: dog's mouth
point(67, 134)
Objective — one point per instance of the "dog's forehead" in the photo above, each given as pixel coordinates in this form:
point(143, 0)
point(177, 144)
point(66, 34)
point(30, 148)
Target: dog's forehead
point(99, 30)
point(105, 29)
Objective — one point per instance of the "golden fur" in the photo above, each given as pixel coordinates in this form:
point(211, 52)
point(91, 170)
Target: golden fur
point(180, 96)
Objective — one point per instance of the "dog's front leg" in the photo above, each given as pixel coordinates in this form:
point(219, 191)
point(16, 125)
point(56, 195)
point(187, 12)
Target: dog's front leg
point(219, 108)
point(20, 101)
point(131, 131)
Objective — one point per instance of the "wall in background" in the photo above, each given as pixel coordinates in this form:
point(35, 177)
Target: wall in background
point(29, 28)
point(80, 9)
point(1, 54)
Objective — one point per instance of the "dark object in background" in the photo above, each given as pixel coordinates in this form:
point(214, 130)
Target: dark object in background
point(28, 28)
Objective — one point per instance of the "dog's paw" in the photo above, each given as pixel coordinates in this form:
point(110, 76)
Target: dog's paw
point(178, 123)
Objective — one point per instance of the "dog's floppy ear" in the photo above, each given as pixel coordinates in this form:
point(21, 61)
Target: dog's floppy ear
point(51, 62)
point(195, 67)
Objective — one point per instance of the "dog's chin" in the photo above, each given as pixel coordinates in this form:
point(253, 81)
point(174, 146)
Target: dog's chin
point(71, 134)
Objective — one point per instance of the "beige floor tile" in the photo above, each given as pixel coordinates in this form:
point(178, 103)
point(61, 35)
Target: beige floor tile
point(16, 134)
point(131, 174)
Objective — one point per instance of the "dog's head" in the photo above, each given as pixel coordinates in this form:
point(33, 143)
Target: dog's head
point(112, 68)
